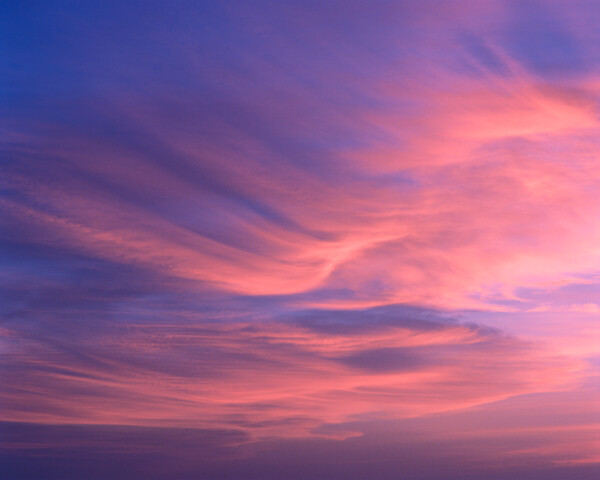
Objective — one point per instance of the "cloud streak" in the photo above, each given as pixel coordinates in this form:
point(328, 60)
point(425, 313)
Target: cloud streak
point(303, 227)
point(272, 377)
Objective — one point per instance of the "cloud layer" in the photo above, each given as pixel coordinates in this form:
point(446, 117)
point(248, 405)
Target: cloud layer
point(298, 231)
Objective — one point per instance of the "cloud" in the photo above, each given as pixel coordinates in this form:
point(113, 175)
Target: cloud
point(298, 222)
point(450, 185)
point(276, 376)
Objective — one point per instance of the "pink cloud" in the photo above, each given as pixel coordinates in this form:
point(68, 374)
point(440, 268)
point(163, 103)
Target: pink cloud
point(267, 241)
point(276, 379)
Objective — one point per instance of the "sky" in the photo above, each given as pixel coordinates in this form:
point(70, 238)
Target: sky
point(300, 240)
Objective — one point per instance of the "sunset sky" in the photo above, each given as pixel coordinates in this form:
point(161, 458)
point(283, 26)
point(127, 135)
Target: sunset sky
point(305, 240)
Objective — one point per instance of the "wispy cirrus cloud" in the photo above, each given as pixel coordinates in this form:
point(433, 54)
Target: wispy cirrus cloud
point(305, 222)
point(225, 192)
point(264, 376)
